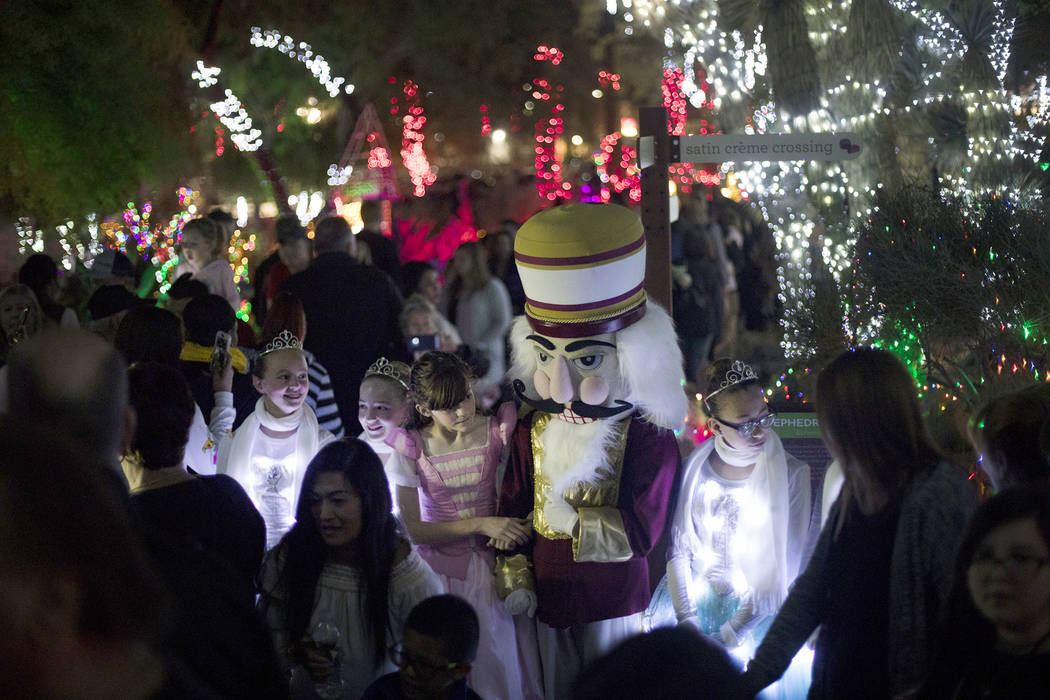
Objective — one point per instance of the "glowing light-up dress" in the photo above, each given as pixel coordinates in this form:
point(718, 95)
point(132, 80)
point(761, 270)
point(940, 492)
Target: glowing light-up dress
point(736, 546)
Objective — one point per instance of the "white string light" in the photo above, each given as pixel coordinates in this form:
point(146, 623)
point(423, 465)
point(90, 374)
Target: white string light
point(302, 52)
point(816, 208)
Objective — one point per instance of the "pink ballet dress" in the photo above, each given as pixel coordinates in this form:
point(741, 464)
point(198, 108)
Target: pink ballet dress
point(452, 487)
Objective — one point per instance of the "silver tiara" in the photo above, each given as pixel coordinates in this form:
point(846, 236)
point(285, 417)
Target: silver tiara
point(398, 371)
point(284, 340)
point(738, 372)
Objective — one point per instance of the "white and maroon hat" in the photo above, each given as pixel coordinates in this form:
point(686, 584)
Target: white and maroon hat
point(583, 269)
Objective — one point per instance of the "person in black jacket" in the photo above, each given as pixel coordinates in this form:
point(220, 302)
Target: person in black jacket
point(352, 311)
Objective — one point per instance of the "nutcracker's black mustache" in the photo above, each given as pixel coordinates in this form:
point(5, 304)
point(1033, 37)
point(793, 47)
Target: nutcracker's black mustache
point(584, 410)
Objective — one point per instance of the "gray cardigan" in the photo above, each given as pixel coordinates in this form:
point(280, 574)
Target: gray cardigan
point(933, 515)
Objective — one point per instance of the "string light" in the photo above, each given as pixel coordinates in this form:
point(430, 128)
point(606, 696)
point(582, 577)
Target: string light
point(412, 153)
point(303, 52)
point(816, 209)
point(550, 183)
point(230, 112)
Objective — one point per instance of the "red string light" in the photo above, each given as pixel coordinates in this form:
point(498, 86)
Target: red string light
point(549, 181)
point(412, 153)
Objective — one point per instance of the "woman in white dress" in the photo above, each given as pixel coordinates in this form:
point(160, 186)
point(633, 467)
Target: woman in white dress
point(269, 452)
point(343, 565)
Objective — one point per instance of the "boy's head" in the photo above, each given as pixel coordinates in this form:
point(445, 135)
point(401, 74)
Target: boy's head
point(440, 642)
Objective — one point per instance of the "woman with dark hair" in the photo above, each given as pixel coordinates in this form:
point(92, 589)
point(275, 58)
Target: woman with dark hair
point(286, 313)
point(996, 641)
point(205, 538)
point(345, 564)
point(422, 278)
point(152, 334)
point(479, 305)
point(1005, 432)
point(743, 527)
point(878, 579)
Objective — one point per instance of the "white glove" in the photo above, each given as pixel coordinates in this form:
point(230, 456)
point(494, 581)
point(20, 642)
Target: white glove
point(679, 571)
point(728, 636)
point(560, 516)
point(521, 601)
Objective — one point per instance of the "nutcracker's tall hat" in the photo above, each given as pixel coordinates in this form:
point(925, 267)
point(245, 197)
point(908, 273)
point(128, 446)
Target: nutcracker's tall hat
point(582, 267)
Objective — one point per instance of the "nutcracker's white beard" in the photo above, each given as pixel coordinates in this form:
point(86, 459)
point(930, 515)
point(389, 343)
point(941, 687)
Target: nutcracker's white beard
point(577, 453)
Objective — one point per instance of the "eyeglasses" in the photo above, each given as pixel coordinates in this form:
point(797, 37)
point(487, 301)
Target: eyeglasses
point(403, 659)
point(748, 429)
point(1021, 566)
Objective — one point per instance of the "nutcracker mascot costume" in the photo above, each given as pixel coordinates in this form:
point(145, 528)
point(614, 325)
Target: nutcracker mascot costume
point(593, 458)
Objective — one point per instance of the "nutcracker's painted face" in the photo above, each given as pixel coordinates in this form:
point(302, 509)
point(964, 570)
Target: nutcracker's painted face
point(577, 378)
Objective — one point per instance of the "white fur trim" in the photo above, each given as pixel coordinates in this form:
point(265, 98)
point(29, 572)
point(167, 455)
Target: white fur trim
point(577, 453)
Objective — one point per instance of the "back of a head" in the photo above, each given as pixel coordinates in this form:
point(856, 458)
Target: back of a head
point(204, 316)
point(285, 314)
point(64, 523)
point(451, 620)
point(149, 334)
point(411, 274)
point(666, 664)
point(333, 235)
point(73, 381)
point(1008, 428)
point(288, 228)
point(38, 271)
point(863, 396)
point(185, 287)
point(372, 214)
point(162, 401)
point(224, 220)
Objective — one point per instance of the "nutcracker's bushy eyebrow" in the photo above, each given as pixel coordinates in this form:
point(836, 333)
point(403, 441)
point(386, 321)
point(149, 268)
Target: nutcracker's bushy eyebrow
point(581, 344)
point(541, 340)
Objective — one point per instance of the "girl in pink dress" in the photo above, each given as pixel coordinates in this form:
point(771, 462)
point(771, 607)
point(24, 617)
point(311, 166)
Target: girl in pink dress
point(446, 476)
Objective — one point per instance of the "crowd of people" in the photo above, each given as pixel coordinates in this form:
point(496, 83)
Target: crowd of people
point(185, 511)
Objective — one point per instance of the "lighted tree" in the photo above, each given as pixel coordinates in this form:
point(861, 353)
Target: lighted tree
point(942, 104)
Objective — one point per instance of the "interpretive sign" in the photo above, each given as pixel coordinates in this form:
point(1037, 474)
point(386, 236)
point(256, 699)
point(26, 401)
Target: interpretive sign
point(800, 433)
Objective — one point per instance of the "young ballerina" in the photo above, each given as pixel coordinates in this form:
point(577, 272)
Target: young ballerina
point(743, 527)
point(269, 452)
point(446, 485)
point(201, 249)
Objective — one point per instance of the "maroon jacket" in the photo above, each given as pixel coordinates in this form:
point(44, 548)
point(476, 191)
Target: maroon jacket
point(574, 593)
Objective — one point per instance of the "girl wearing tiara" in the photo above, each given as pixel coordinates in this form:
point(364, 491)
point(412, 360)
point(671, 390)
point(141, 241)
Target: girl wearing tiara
point(269, 452)
point(382, 405)
point(445, 472)
point(743, 529)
